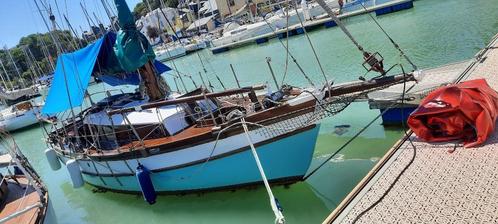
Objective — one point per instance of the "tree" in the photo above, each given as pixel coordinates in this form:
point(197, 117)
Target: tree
point(172, 3)
point(139, 10)
point(37, 44)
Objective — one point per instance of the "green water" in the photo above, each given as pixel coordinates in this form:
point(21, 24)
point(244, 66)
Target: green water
point(433, 33)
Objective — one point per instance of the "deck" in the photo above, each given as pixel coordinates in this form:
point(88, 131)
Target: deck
point(19, 198)
point(431, 183)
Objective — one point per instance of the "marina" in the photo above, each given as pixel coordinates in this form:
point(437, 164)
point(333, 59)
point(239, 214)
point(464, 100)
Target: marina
point(326, 171)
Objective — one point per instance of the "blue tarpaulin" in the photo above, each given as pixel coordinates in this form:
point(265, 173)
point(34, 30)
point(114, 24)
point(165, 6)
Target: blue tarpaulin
point(73, 71)
point(71, 78)
point(128, 79)
point(132, 78)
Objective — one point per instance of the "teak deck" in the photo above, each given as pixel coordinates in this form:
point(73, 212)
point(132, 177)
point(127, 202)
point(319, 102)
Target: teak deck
point(446, 183)
point(15, 202)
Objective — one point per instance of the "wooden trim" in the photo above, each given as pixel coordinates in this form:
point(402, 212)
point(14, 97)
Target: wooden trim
point(188, 99)
point(43, 211)
point(361, 185)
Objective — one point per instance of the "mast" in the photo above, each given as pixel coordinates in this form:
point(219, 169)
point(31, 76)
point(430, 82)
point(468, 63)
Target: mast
point(40, 71)
point(52, 19)
point(34, 73)
point(15, 66)
point(46, 53)
point(88, 19)
point(3, 81)
point(74, 31)
point(6, 75)
point(108, 13)
point(59, 51)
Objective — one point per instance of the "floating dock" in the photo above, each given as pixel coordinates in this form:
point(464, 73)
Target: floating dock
point(431, 183)
point(324, 21)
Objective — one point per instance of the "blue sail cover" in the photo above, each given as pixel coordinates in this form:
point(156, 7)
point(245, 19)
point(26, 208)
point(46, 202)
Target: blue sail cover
point(73, 71)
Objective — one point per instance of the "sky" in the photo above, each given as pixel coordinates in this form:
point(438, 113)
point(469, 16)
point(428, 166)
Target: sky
point(20, 18)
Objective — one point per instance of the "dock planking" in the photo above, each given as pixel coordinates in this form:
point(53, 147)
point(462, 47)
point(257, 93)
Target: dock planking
point(432, 183)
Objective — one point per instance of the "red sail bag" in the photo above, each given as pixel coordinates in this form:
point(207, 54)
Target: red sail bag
point(462, 112)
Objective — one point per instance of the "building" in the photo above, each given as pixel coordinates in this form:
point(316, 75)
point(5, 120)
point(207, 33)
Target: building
point(205, 24)
point(226, 8)
point(155, 18)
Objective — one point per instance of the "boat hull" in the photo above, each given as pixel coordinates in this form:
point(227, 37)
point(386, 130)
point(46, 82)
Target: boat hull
point(170, 54)
point(17, 121)
point(284, 160)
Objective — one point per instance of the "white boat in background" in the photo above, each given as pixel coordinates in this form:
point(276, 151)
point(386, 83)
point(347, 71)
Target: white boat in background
point(195, 45)
point(279, 20)
point(42, 88)
point(243, 32)
point(167, 52)
point(20, 115)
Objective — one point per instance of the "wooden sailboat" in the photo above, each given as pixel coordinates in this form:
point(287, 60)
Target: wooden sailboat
point(186, 142)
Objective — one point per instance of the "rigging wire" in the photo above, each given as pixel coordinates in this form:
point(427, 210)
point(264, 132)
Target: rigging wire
point(311, 44)
point(290, 54)
point(167, 50)
point(364, 128)
point(390, 39)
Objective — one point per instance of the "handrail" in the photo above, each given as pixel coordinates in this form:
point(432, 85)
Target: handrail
point(20, 212)
point(187, 99)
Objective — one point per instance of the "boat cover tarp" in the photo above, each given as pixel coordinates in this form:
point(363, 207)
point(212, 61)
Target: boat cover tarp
point(463, 112)
point(72, 74)
point(130, 78)
point(109, 70)
point(119, 55)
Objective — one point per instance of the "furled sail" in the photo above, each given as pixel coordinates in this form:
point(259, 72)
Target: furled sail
point(132, 48)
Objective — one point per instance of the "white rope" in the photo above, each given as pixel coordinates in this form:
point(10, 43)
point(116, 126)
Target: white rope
point(279, 217)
